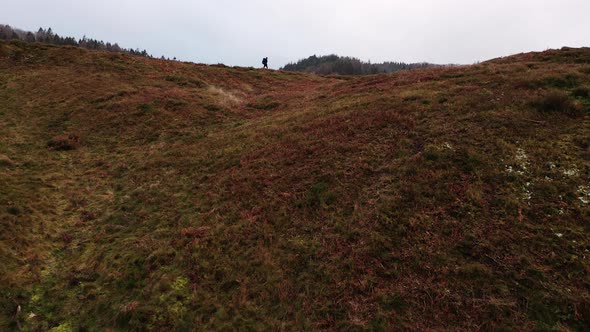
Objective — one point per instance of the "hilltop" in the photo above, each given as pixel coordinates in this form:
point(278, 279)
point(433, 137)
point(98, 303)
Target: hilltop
point(144, 194)
point(334, 64)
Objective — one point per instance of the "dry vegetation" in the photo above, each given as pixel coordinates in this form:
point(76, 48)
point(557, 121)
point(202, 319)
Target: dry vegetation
point(141, 194)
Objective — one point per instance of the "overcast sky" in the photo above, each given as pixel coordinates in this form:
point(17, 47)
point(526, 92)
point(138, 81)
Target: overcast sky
point(241, 32)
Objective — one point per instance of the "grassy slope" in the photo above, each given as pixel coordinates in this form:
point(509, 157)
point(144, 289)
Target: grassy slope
point(207, 197)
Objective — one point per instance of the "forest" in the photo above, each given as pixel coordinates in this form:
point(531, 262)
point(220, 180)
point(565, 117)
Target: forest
point(334, 64)
point(48, 36)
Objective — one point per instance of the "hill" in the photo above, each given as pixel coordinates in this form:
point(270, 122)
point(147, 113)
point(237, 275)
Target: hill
point(49, 37)
point(143, 194)
point(334, 64)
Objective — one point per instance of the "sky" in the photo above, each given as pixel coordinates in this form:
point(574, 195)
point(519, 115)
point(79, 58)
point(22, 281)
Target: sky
point(242, 32)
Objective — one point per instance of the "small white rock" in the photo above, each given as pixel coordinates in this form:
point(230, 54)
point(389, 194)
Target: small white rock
point(571, 172)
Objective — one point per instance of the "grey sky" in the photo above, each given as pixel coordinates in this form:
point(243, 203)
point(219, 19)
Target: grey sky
point(242, 32)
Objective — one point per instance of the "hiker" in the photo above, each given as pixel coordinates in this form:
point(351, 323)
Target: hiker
point(265, 63)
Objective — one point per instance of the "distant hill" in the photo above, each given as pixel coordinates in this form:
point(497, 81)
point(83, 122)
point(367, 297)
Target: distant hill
point(138, 194)
point(334, 64)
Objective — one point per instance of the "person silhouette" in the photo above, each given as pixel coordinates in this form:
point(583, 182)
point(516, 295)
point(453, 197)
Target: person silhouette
point(265, 63)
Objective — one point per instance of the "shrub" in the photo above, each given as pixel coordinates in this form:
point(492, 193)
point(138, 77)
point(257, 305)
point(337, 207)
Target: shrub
point(556, 102)
point(146, 108)
point(15, 211)
point(5, 161)
point(88, 216)
point(186, 81)
point(64, 142)
point(582, 92)
point(568, 81)
point(411, 98)
point(319, 195)
point(475, 270)
point(212, 108)
point(265, 103)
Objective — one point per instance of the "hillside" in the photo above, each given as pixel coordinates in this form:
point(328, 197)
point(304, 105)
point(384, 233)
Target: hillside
point(338, 65)
point(143, 194)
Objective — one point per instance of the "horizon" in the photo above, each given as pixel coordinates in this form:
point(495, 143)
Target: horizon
point(238, 34)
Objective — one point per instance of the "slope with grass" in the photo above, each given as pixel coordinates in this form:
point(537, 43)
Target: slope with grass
point(142, 194)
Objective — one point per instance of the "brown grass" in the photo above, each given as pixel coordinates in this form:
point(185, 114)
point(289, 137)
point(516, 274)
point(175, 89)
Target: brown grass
point(210, 198)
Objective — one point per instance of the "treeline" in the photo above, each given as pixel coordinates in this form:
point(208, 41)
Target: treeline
point(334, 64)
point(48, 36)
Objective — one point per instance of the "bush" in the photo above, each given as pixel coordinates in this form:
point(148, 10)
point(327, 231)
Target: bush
point(582, 92)
point(15, 211)
point(186, 81)
point(5, 161)
point(475, 270)
point(567, 81)
point(265, 104)
point(319, 195)
point(64, 142)
point(212, 108)
point(556, 102)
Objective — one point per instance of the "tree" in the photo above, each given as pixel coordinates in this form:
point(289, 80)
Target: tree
point(30, 37)
point(4, 31)
point(48, 36)
point(333, 64)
